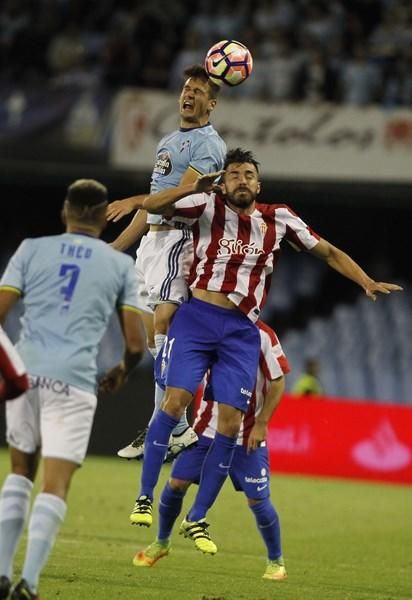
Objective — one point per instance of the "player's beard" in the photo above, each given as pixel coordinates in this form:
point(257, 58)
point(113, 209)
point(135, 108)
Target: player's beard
point(241, 198)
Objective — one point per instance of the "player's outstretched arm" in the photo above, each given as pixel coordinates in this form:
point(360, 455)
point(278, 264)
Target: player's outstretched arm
point(260, 428)
point(133, 232)
point(346, 266)
point(120, 208)
point(160, 202)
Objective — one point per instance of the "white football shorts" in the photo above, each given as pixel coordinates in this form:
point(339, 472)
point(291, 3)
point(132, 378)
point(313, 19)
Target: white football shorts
point(53, 415)
point(163, 263)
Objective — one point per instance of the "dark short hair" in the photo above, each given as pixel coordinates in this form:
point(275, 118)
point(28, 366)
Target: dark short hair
point(199, 72)
point(237, 155)
point(86, 193)
point(86, 201)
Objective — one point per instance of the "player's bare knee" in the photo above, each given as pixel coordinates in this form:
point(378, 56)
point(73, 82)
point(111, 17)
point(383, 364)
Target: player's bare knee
point(174, 407)
point(179, 485)
point(229, 429)
point(176, 401)
point(229, 420)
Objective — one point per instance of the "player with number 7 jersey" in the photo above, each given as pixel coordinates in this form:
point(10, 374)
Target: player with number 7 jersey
point(63, 322)
point(70, 285)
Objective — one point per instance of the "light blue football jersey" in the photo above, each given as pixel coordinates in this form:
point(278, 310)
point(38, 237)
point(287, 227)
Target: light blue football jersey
point(70, 285)
point(200, 148)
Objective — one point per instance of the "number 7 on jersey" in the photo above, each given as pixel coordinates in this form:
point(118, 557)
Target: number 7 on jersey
point(70, 272)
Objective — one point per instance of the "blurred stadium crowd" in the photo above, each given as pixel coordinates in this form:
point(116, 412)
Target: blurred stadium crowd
point(354, 52)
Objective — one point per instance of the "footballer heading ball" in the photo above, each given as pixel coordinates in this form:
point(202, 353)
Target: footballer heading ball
point(228, 62)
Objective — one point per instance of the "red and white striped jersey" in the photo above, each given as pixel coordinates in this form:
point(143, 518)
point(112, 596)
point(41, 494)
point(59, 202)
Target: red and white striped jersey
point(272, 364)
point(12, 369)
point(235, 254)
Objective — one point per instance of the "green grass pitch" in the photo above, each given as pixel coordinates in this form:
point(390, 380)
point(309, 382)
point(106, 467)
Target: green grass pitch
point(342, 540)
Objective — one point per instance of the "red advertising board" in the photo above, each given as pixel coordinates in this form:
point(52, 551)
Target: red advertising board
point(341, 438)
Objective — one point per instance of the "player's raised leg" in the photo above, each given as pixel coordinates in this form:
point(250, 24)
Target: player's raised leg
point(186, 469)
point(183, 435)
point(189, 359)
point(168, 289)
point(170, 506)
point(233, 376)
point(156, 447)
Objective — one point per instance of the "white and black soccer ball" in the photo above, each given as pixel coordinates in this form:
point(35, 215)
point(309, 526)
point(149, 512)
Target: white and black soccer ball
point(228, 62)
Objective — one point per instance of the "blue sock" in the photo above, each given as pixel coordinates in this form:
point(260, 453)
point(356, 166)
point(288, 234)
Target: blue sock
point(214, 472)
point(170, 506)
point(158, 399)
point(267, 521)
point(155, 448)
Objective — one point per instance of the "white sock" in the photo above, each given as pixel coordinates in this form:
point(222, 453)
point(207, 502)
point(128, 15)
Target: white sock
point(46, 518)
point(159, 339)
point(14, 508)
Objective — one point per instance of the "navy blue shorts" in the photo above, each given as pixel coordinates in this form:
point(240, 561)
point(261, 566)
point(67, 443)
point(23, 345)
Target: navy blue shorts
point(203, 336)
point(249, 472)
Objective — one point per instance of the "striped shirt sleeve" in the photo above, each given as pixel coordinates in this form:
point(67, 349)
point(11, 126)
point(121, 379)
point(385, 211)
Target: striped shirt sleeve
point(297, 233)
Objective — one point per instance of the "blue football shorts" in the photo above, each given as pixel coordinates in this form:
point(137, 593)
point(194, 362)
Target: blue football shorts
point(203, 336)
point(249, 472)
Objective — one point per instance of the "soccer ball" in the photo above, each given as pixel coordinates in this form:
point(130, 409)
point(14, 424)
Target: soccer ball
point(228, 62)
